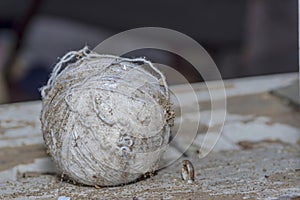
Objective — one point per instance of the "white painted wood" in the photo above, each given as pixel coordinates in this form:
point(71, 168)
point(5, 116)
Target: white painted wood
point(257, 125)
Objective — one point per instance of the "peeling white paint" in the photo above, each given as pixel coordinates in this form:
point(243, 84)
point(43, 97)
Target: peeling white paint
point(40, 165)
point(19, 128)
point(234, 87)
point(259, 129)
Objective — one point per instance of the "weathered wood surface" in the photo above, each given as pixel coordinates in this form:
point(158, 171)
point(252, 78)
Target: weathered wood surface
point(257, 155)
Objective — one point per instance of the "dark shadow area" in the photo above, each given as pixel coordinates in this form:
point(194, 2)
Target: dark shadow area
point(244, 37)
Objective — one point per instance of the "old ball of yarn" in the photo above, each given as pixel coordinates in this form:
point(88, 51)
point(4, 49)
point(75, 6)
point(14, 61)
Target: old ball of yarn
point(105, 119)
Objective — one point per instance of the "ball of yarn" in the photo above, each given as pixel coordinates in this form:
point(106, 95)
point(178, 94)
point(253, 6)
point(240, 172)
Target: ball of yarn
point(105, 119)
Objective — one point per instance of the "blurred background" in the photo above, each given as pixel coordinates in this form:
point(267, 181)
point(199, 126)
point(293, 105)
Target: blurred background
point(244, 37)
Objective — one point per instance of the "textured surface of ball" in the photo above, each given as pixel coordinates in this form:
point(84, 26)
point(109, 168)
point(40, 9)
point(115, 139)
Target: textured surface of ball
point(105, 119)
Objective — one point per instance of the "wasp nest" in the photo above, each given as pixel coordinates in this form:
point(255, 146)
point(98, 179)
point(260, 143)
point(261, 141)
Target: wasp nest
point(105, 119)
